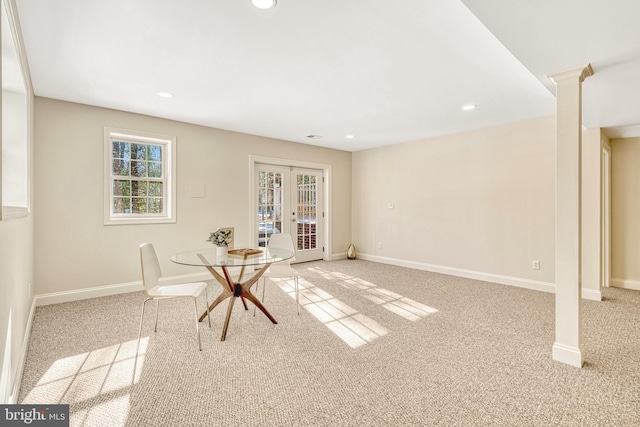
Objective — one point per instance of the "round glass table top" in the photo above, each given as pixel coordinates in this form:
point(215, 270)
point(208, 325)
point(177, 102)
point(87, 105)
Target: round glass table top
point(209, 257)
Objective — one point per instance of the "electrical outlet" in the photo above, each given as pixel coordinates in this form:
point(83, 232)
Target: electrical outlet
point(535, 264)
point(379, 245)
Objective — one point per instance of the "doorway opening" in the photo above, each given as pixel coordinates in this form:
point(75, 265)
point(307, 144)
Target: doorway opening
point(292, 197)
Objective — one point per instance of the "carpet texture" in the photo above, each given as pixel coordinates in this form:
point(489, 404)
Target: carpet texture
point(374, 345)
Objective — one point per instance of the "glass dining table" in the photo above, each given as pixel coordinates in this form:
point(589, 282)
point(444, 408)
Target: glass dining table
point(256, 261)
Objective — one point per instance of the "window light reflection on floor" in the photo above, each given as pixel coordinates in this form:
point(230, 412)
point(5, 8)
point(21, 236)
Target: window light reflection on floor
point(396, 303)
point(83, 377)
point(353, 327)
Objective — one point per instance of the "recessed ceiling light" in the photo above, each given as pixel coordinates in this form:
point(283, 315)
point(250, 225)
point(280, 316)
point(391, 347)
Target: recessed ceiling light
point(165, 95)
point(349, 136)
point(469, 107)
point(264, 4)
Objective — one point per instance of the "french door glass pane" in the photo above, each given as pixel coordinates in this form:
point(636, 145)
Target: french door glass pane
point(270, 205)
point(306, 214)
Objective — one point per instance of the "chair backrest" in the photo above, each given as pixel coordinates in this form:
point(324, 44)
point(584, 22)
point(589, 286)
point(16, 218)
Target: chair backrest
point(282, 241)
point(150, 266)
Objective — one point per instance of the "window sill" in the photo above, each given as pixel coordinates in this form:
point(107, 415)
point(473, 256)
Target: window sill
point(133, 221)
point(14, 212)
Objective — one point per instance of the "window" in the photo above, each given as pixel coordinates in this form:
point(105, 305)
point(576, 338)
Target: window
point(15, 121)
point(139, 177)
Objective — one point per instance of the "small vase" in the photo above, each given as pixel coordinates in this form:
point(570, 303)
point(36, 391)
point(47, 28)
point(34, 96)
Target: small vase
point(351, 252)
point(221, 251)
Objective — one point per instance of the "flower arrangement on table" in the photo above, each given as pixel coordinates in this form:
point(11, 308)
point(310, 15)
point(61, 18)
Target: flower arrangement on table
point(222, 237)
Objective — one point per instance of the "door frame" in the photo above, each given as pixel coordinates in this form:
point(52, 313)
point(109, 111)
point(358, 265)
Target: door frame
point(326, 170)
point(606, 216)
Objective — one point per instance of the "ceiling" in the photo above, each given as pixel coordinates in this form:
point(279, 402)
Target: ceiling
point(385, 72)
point(549, 36)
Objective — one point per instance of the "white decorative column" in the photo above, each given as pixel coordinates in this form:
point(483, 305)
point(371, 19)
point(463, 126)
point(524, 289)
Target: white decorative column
point(567, 346)
point(592, 208)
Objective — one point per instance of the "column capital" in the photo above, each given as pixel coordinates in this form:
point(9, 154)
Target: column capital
point(578, 73)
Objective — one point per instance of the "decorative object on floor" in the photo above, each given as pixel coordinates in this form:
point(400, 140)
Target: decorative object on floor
point(351, 252)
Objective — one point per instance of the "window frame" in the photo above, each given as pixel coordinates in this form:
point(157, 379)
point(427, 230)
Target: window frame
point(19, 139)
point(169, 177)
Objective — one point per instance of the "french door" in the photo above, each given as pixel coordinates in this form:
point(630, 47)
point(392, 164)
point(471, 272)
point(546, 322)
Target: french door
point(290, 200)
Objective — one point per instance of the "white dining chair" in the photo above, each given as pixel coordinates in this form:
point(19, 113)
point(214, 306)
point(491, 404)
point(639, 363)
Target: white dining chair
point(281, 269)
point(151, 275)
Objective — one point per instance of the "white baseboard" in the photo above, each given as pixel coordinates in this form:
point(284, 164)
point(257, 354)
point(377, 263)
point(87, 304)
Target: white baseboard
point(469, 274)
point(625, 284)
point(337, 257)
point(86, 293)
point(120, 288)
point(17, 379)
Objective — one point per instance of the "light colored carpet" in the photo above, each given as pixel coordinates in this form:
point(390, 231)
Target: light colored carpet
point(374, 345)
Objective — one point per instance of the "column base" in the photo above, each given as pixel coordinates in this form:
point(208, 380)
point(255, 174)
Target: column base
point(568, 355)
point(591, 294)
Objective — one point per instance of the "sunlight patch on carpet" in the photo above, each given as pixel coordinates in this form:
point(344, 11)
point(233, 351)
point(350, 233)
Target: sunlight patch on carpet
point(90, 376)
point(395, 303)
point(351, 326)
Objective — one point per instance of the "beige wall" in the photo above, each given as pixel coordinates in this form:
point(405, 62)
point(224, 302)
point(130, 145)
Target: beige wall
point(75, 250)
point(16, 274)
point(625, 212)
point(479, 203)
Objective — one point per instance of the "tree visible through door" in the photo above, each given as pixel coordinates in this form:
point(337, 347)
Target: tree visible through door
point(290, 201)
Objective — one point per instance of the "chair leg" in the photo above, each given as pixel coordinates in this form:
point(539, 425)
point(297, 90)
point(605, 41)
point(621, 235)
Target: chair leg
point(155, 328)
point(144, 303)
point(135, 363)
point(195, 304)
point(264, 285)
